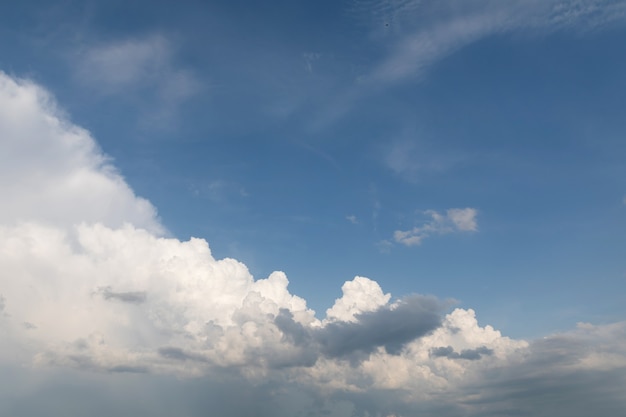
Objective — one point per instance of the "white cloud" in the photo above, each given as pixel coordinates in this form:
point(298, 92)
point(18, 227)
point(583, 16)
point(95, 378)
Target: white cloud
point(421, 49)
point(53, 171)
point(463, 219)
point(359, 296)
point(89, 283)
point(454, 220)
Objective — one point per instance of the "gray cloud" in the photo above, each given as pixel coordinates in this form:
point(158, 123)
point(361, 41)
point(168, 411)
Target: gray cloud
point(574, 374)
point(128, 369)
point(132, 297)
point(60, 393)
point(469, 354)
point(180, 354)
point(390, 327)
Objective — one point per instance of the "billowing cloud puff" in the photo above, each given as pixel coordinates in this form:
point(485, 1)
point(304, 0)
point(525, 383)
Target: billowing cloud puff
point(90, 281)
point(359, 295)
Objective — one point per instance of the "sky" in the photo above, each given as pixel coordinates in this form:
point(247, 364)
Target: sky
point(331, 208)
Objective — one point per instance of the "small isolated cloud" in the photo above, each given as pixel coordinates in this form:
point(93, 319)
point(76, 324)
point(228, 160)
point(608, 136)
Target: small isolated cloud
point(454, 220)
point(352, 219)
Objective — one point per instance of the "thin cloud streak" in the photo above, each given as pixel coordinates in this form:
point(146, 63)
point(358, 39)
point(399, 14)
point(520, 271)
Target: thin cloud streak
point(428, 32)
point(448, 26)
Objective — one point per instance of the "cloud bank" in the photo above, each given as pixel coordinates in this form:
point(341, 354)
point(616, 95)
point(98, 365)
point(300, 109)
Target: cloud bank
point(93, 292)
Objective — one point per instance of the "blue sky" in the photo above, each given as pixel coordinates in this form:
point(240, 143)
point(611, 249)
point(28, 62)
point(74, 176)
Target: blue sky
point(472, 151)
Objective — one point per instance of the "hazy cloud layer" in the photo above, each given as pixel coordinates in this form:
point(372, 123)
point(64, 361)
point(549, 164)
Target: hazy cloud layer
point(100, 310)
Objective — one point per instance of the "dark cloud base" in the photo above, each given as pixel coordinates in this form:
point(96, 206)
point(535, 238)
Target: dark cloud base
point(511, 393)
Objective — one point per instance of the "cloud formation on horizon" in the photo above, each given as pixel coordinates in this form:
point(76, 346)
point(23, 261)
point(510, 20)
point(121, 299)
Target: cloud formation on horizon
point(92, 282)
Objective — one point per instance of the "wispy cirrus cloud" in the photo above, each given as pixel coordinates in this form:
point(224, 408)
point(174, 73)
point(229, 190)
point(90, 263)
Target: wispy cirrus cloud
point(411, 36)
point(143, 66)
point(432, 30)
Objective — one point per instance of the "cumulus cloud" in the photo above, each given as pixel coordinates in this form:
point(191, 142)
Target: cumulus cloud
point(92, 283)
point(454, 220)
point(576, 373)
point(360, 295)
point(391, 327)
point(53, 171)
point(469, 354)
